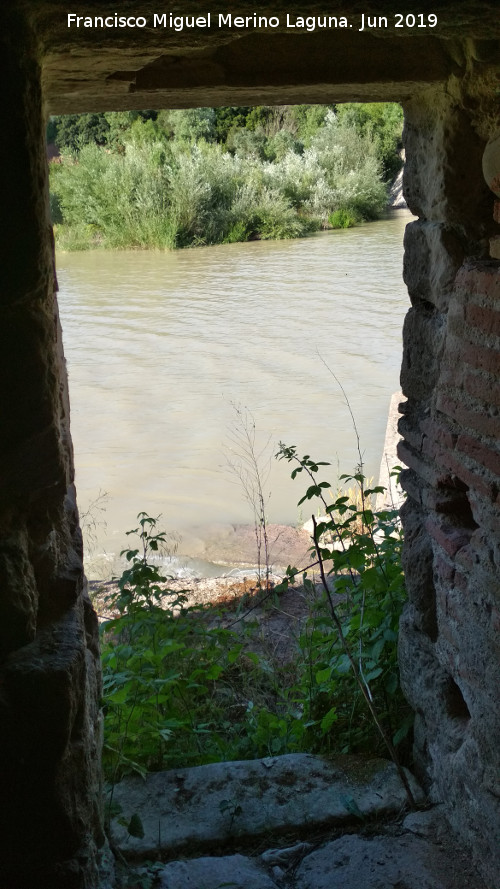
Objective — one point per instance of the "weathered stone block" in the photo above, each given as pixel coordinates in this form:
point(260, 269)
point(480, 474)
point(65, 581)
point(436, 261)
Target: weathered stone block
point(181, 809)
point(234, 871)
point(19, 594)
point(418, 567)
point(433, 255)
point(423, 339)
point(411, 862)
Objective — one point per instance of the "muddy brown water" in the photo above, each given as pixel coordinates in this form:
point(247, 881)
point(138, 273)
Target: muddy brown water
point(159, 347)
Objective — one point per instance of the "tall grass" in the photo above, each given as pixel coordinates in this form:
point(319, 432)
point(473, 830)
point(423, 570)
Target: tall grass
point(163, 193)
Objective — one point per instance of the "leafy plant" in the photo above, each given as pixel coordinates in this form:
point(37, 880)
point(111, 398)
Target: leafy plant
point(173, 686)
point(363, 582)
point(180, 689)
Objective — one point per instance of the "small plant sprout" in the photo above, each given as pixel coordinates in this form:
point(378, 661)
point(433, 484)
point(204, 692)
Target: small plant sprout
point(231, 808)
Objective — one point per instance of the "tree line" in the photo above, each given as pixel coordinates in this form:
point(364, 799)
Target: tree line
point(167, 179)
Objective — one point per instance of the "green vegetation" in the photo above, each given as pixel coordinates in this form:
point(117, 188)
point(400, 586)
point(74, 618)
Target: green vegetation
point(204, 176)
point(342, 219)
point(181, 689)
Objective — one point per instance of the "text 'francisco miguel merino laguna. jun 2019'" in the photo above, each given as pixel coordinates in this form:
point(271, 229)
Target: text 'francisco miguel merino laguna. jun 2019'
point(255, 21)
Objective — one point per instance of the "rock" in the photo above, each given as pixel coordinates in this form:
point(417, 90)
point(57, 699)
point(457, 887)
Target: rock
point(200, 808)
point(430, 824)
point(396, 197)
point(234, 871)
point(404, 862)
point(286, 857)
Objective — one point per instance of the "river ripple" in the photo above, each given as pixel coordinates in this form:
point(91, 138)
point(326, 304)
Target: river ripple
point(159, 345)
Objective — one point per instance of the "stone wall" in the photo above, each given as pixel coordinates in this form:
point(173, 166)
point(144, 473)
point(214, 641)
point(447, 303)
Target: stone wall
point(449, 650)
point(49, 659)
point(50, 823)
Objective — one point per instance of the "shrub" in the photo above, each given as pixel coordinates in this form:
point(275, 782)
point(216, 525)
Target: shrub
point(159, 187)
point(180, 690)
point(276, 218)
point(342, 218)
point(238, 232)
point(173, 687)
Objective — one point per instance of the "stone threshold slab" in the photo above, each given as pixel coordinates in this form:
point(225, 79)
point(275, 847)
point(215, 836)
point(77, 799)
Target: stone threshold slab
point(350, 862)
point(208, 807)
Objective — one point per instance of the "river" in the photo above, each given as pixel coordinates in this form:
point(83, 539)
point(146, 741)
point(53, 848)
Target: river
point(161, 346)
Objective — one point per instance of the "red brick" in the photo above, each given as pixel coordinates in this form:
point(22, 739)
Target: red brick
point(484, 456)
point(438, 432)
point(485, 319)
point(481, 280)
point(433, 450)
point(481, 358)
point(484, 388)
point(423, 468)
point(469, 478)
point(475, 420)
point(450, 539)
point(452, 374)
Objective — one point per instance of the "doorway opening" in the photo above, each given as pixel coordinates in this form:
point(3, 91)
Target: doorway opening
point(161, 346)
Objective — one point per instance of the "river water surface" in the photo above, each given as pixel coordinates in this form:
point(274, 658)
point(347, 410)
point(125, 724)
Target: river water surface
point(160, 346)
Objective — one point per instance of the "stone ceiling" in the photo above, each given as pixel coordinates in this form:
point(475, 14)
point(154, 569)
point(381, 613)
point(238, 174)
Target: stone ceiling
point(122, 68)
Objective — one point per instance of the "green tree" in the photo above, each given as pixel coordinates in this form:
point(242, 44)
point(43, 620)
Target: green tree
point(382, 123)
point(309, 119)
point(229, 119)
point(71, 131)
point(189, 125)
point(165, 179)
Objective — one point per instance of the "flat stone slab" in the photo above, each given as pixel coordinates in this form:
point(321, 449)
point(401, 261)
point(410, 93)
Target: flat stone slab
point(188, 811)
point(401, 862)
point(351, 862)
point(234, 871)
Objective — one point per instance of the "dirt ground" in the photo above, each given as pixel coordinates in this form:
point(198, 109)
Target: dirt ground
point(231, 602)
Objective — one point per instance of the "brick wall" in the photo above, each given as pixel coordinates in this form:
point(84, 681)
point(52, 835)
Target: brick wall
point(450, 645)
